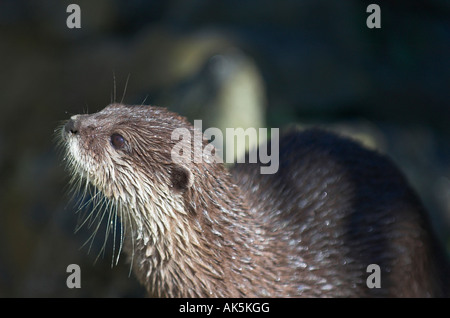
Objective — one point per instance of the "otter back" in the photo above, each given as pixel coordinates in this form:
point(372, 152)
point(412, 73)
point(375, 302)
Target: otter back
point(339, 208)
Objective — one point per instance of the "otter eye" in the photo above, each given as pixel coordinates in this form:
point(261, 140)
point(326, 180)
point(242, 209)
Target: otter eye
point(117, 141)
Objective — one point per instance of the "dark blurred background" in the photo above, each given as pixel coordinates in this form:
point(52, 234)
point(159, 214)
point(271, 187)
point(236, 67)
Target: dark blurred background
point(249, 63)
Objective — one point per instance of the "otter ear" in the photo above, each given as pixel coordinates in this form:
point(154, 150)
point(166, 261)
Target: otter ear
point(182, 178)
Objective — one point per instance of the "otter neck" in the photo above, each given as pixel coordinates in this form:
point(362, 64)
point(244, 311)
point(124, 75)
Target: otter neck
point(205, 244)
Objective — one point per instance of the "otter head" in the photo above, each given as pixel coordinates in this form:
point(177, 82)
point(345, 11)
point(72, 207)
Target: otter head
point(123, 149)
point(124, 152)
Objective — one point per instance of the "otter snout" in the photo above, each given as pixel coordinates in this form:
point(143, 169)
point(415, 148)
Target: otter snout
point(72, 126)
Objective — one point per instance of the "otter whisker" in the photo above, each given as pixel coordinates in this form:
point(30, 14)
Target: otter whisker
point(132, 240)
point(92, 236)
point(109, 229)
point(143, 102)
point(121, 235)
point(116, 223)
point(94, 201)
point(113, 98)
point(98, 205)
point(125, 89)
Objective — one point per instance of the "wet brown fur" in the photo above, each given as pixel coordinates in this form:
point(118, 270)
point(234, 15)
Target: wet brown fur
point(311, 229)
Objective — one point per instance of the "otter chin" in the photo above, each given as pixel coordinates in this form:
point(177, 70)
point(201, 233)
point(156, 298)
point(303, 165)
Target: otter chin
point(196, 229)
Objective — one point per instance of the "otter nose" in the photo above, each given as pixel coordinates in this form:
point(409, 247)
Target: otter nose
point(72, 126)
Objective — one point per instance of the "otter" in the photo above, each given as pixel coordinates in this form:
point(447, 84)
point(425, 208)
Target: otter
point(196, 229)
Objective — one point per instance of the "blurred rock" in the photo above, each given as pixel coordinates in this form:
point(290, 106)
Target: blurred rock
point(226, 92)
